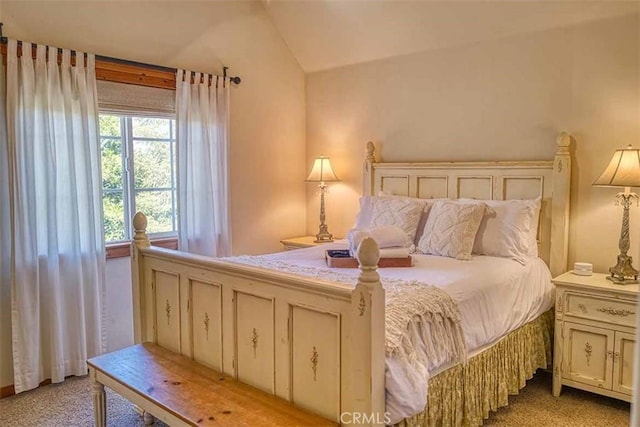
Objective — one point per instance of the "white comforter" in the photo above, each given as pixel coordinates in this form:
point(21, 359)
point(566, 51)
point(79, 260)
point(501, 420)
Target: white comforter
point(495, 296)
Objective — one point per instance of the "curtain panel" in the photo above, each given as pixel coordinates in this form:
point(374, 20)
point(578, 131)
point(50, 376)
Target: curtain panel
point(54, 219)
point(202, 122)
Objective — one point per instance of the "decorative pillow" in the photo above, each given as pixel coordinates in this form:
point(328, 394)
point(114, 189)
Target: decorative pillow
point(403, 212)
point(428, 204)
point(509, 230)
point(451, 229)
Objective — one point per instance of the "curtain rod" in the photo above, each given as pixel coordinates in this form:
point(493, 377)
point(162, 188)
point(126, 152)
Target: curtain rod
point(233, 79)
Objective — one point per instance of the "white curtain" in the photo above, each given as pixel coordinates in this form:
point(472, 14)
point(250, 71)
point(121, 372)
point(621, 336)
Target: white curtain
point(57, 247)
point(202, 116)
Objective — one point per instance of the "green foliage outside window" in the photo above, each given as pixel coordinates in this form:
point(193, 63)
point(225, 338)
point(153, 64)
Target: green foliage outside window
point(152, 165)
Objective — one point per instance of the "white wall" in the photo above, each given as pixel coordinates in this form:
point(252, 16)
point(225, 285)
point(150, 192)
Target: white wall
point(267, 163)
point(495, 100)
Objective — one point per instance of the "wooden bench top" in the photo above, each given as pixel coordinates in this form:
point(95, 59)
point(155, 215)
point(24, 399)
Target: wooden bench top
point(196, 394)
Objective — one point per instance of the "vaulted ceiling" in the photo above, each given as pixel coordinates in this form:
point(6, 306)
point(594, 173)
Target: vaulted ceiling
point(325, 34)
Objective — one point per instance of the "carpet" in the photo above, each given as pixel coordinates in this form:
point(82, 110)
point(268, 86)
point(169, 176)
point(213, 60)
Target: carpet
point(70, 404)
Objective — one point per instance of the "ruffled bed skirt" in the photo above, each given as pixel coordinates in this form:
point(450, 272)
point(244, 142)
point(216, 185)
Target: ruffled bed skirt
point(464, 394)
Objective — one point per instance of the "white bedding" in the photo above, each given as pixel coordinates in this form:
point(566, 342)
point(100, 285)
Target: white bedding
point(495, 296)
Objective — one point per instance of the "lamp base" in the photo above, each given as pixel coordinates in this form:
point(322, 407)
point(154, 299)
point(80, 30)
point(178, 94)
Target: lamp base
point(623, 272)
point(323, 237)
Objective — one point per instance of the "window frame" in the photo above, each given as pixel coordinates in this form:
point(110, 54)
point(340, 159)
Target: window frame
point(167, 239)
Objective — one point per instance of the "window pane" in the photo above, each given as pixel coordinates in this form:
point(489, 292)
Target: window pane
point(152, 164)
point(145, 127)
point(111, 162)
point(110, 125)
point(113, 204)
point(156, 205)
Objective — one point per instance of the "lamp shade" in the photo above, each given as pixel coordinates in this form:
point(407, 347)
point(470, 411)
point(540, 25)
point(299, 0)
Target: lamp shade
point(623, 169)
point(322, 171)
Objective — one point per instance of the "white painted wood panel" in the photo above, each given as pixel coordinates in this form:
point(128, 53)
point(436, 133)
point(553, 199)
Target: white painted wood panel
point(315, 370)
point(522, 187)
point(599, 308)
point(624, 359)
point(432, 187)
point(396, 185)
point(588, 354)
point(167, 310)
point(254, 319)
point(205, 317)
point(474, 187)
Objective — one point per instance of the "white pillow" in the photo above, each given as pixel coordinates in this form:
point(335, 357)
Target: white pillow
point(403, 212)
point(451, 229)
point(363, 218)
point(428, 203)
point(509, 229)
point(533, 228)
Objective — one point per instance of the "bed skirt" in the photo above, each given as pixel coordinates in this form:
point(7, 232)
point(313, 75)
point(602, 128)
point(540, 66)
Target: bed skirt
point(464, 394)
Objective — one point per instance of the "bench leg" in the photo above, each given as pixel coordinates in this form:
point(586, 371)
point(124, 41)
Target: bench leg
point(148, 419)
point(99, 404)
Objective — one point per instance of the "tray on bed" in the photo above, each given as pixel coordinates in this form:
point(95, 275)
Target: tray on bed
point(340, 258)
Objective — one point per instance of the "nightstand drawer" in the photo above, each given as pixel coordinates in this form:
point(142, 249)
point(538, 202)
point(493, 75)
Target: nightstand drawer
point(598, 308)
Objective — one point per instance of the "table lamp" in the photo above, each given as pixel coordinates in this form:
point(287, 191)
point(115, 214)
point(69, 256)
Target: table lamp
point(623, 171)
point(322, 172)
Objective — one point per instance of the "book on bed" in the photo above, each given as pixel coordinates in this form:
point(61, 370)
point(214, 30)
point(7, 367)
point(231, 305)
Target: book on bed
point(341, 258)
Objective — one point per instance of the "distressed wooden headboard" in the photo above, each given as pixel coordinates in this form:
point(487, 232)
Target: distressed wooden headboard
point(495, 180)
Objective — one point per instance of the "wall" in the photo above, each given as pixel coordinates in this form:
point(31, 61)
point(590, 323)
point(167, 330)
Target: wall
point(496, 100)
point(267, 165)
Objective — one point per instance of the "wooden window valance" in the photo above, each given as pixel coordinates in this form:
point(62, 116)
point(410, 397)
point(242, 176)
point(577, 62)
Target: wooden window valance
point(123, 71)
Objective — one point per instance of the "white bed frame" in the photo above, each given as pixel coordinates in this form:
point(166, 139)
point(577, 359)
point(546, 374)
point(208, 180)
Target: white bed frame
point(316, 343)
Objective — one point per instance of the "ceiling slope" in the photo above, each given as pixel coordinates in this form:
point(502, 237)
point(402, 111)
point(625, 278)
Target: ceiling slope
point(324, 34)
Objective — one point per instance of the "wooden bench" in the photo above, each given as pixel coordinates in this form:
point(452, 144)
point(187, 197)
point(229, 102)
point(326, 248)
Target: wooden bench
point(181, 392)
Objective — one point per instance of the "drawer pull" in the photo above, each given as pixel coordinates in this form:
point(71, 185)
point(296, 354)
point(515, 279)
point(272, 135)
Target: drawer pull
point(610, 354)
point(583, 308)
point(615, 311)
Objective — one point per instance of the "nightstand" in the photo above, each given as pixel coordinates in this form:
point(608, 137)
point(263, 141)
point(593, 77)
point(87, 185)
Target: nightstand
point(300, 242)
point(595, 333)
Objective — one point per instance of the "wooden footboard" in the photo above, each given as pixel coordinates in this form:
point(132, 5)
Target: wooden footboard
point(317, 344)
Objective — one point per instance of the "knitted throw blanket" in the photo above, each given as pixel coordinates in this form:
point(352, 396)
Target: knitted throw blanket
point(413, 311)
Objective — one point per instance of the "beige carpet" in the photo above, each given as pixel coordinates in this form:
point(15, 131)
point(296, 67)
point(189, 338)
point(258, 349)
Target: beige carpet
point(70, 405)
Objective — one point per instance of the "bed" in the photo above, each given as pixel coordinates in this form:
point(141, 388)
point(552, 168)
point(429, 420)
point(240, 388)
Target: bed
point(318, 339)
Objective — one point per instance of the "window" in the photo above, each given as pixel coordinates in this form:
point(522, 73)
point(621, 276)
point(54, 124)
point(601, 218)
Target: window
point(138, 174)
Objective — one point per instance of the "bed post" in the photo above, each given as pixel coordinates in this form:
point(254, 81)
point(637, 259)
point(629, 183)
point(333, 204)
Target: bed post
point(560, 206)
point(367, 169)
point(367, 343)
point(140, 240)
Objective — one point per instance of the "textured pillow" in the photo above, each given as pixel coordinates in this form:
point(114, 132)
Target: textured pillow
point(403, 212)
point(428, 204)
point(509, 230)
point(451, 229)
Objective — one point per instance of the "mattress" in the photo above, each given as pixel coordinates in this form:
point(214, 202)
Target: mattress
point(495, 296)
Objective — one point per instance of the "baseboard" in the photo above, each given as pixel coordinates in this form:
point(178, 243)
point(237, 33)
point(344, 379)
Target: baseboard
point(7, 391)
point(10, 389)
